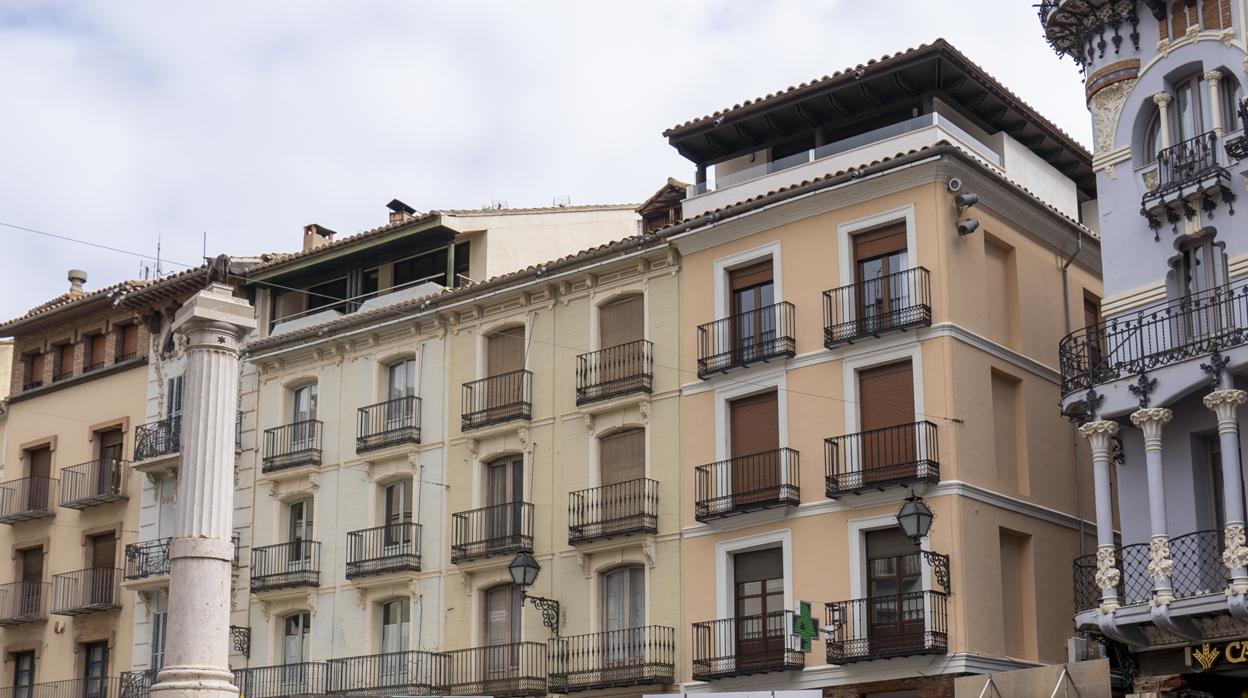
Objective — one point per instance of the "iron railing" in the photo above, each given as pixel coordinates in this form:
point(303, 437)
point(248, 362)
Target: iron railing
point(1187, 162)
point(614, 371)
point(292, 445)
point(503, 671)
point(881, 627)
point(613, 510)
point(86, 591)
point(137, 683)
point(874, 307)
point(746, 483)
point(150, 558)
point(500, 529)
point(282, 681)
point(615, 658)
point(411, 673)
point(96, 687)
point(1178, 330)
point(24, 602)
point(389, 548)
point(1087, 593)
point(1198, 570)
point(900, 455)
point(285, 565)
point(1197, 564)
point(27, 498)
point(160, 438)
point(756, 335)
point(746, 645)
point(1137, 585)
point(388, 423)
point(497, 399)
point(94, 482)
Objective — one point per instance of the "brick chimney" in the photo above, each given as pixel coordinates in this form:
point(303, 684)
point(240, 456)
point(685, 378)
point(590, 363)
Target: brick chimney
point(400, 212)
point(77, 278)
point(315, 236)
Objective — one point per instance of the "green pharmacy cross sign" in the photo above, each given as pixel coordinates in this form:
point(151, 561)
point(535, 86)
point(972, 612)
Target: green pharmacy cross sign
point(804, 626)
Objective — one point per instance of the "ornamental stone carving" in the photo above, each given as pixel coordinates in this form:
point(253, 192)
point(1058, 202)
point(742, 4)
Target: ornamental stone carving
point(1107, 574)
point(1099, 433)
point(1106, 107)
point(1152, 179)
point(1160, 566)
point(1225, 403)
point(1235, 553)
point(1162, 99)
point(1148, 418)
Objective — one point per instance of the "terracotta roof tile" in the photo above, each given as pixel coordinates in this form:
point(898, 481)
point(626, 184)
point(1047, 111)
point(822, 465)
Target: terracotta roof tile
point(71, 298)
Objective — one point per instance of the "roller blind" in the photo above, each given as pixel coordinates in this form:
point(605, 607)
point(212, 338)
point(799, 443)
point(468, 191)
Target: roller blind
point(752, 275)
point(505, 351)
point(886, 396)
point(758, 565)
point(755, 424)
point(880, 242)
point(620, 322)
point(623, 456)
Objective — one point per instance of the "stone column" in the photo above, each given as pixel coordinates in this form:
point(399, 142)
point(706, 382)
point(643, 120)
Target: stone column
point(1100, 435)
point(198, 634)
point(1162, 100)
point(1215, 100)
point(1226, 403)
point(1151, 420)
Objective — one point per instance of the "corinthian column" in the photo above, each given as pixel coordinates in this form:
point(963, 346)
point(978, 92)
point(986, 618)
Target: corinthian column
point(1100, 435)
point(1225, 403)
point(1162, 100)
point(1160, 566)
point(1213, 77)
point(197, 645)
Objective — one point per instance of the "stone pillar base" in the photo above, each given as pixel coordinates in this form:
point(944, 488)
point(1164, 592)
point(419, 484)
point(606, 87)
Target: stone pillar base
point(194, 682)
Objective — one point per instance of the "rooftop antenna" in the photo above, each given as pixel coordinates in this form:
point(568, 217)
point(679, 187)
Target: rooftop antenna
point(205, 245)
point(159, 269)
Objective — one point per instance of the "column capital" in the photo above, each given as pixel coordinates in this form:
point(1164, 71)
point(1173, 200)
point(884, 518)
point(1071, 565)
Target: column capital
point(214, 318)
point(1213, 76)
point(1160, 566)
point(1162, 99)
point(1234, 553)
point(1099, 433)
point(1151, 420)
point(1225, 403)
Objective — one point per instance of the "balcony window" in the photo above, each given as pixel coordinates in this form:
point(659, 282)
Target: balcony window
point(64, 362)
point(33, 496)
point(26, 600)
point(757, 329)
point(127, 343)
point(622, 365)
point(505, 392)
point(33, 371)
point(505, 524)
point(95, 352)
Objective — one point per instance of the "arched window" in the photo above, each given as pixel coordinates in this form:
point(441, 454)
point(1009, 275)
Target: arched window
point(1152, 138)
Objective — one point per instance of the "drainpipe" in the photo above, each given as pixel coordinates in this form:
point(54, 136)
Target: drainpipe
point(1074, 434)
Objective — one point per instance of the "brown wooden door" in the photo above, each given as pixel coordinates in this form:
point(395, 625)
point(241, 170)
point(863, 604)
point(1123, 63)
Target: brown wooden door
point(896, 611)
point(503, 357)
point(30, 567)
point(759, 608)
point(886, 412)
point(881, 296)
point(1092, 321)
point(129, 342)
point(39, 462)
point(103, 553)
point(96, 355)
point(755, 424)
point(108, 475)
point(622, 466)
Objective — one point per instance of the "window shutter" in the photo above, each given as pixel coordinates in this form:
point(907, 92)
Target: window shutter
point(886, 396)
point(880, 242)
point(159, 620)
point(36, 368)
point(67, 360)
point(755, 424)
point(622, 456)
point(621, 322)
point(97, 351)
point(505, 351)
point(758, 565)
point(752, 275)
point(40, 462)
point(129, 340)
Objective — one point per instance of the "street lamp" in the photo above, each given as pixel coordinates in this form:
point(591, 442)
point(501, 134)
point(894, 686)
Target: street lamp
point(524, 570)
point(915, 519)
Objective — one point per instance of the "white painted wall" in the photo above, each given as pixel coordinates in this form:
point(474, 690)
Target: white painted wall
point(516, 239)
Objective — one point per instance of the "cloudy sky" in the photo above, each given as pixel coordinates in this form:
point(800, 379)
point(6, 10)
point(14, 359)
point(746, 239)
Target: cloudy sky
point(122, 122)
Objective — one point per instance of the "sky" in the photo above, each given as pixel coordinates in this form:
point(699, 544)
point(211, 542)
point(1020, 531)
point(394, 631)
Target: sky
point(125, 123)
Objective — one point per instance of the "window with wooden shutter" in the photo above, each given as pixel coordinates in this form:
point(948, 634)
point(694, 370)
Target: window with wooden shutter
point(30, 564)
point(39, 468)
point(621, 321)
point(95, 351)
point(886, 415)
point(755, 441)
point(64, 362)
point(160, 616)
point(111, 442)
point(505, 351)
point(34, 371)
point(622, 456)
point(128, 342)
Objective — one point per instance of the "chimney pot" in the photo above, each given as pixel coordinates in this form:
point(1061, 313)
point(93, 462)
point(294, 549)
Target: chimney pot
point(315, 236)
point(77, 278)
point(400, 212)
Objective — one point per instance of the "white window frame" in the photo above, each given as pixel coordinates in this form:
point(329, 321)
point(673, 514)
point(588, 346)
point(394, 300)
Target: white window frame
point(636, 289)
point(725, 575)
point(845, 233)
point(858, 529)
point(777, 380)
point(723, 265)
point(852, 365)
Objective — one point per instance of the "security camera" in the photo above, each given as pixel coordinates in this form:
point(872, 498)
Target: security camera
point(965, 200)
point(954, 184)
point(966, 226)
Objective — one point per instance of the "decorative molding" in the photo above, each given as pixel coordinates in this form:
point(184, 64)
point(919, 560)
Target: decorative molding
point(1107, 574)
point(1100, 434)
point(1225, 403)
point(1160, 566)
point(1106, 107)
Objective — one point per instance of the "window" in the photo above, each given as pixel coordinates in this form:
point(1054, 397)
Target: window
point(501, 618)
point(622, 456)
point(398, 511)
point(505, 351)
point(895, 615)
point(102, 577)
point(624, 598)
point(879, 257)
point(34, 364)
point(430, 266)
point(160, 617)
point(295, 638)
point(39, 469)
point(110, 443)
point(758, 599)
point(95, 669)
point(885, 407)
point(755, 441)
point(1202, 267)
point(303, 416)
point(127, 343)
point(64, 362)
point(173, 397)
point(621, 321)
point(504, 491)
point(331, 294)
point(395, 617)
point(23, 674)
point(753, 290)
point(95, 358)
point(30, 570)
point(1152, 138)
point(401, 379)
point(299, 529)
point(369, 283)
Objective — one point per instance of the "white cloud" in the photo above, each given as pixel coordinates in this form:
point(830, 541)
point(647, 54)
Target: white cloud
point(123, 121)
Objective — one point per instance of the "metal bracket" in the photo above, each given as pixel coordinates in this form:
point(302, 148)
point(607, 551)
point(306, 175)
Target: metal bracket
point(240, 640)
point(940, 568)
point(548, 607)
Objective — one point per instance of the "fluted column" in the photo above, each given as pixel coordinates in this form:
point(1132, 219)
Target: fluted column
point(201, 552)
point(1100, 435)
point(1226, 403)
point(1162, 100)
point(1151, 420)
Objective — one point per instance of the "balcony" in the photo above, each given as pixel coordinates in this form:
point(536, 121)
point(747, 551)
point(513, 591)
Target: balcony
point(390, 548)
point(291, 446)
point(1186, 328)
point(739, 340)
point(94, 483)
point(282, 681)
point(613, 659)
point(99, 687)
point(388, 423)
point(874, 307)
point(501, 529)
point(1186, 168)
point(137, 683)
point(24, 602)
point(86, 591)
point(27, 499)
point(747, 645)
point(158, 439)
point(149, 559)
point(899, 456)
point(502, 671)
point(615, 371)
point(1198, 571)
point(412, 673)
point(613, 510)
point(497, 399)
point(883, 627)
point(747, 483)
point(286, 565)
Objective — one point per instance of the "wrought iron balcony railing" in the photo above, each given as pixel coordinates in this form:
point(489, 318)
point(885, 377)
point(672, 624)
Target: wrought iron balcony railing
point(1087, 593)
point(86, 591)
point(1198, 570)
point(747, 483)
point(497, 399)
point(94, 483)
point(501, 529)
point(97, 687)
point(746, 645)
point(613, 510)
point(1186, 328)
point(389, 548)
point(150, 558)
point(292, 445)
point(157, 439)
point(874, 307)
point(388, 423)
point(283, 681)
point(881, 627)
point(285, 565)
point(745, 338)
point(613, 659)
point(27, 498)
point(614, 371)
point(412, 673)
point(1187, 162)
point(24, 602)
point(503, 671)
point(896, 456)
point(137, 683)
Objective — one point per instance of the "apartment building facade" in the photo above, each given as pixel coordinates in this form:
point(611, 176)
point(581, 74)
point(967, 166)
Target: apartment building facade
point(1156, 372)
point(881, 290)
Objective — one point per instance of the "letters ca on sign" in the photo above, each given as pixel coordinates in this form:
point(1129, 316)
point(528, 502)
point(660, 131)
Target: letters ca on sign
point(1208, 655)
